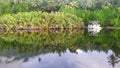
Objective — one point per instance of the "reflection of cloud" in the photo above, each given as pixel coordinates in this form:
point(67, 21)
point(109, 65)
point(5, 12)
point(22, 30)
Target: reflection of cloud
point(79, 51)
point(16, 64)
point(94, 31)
point(67, 60)
point(71, 60)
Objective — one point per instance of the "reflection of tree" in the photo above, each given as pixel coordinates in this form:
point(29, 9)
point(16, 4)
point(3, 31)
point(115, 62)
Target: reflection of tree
point(33, 43)
point(112, 59)
point(39, 59)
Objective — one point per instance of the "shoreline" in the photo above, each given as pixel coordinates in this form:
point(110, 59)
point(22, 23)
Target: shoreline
point(53, 28)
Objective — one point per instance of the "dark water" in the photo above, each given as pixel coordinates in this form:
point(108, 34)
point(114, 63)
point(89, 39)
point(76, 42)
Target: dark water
point(60, 49)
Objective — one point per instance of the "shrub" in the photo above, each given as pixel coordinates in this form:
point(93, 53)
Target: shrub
point(41, 19)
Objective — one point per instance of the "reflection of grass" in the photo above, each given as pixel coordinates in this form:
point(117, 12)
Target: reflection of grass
point(53, 41)
point(40, 20)
point(23, 41)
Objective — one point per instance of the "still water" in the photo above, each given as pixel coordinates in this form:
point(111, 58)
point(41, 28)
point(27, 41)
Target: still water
point(60, 49)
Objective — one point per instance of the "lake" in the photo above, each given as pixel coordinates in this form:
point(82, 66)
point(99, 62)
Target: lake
point(60, 49)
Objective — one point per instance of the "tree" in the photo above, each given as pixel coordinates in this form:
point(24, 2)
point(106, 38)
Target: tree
point(87, 3)
point(113, 60)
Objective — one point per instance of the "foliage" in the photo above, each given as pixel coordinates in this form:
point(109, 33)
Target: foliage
point(15, 6)
point(7, 7)
point(53, 5)
point(107, 16)
point(107, 12)
point(40, 19)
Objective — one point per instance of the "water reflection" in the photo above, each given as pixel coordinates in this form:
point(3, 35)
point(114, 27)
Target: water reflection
point(64, 49)
point(82, 59)
point(113, 60)
point(93, 31)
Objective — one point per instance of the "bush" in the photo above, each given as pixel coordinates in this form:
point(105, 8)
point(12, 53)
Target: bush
point(41, 19)
point(106, 16)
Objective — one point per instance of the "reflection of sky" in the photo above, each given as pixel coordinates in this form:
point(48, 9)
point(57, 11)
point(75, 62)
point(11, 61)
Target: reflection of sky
point(67, 60)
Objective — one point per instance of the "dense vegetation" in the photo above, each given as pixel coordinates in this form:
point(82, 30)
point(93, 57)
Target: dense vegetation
point(40, 20)
point(14, 6)
point(107, 12)
point(107, 16)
